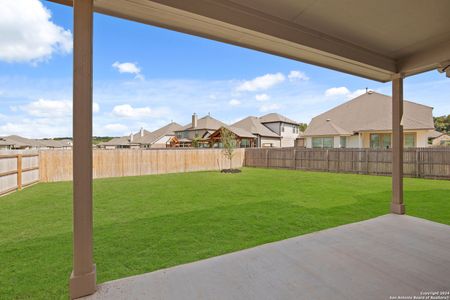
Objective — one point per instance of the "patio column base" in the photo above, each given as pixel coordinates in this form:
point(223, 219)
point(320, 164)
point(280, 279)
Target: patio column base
point(83, 285)
point(398, 208)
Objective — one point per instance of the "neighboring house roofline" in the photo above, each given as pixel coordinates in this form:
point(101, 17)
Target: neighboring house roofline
point(369, 112)
point(276, 118)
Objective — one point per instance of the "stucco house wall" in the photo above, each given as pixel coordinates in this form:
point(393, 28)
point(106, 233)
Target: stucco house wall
point(268, 140)
point(288, 135)
point(421, 137)
point(362, 140)
point(353, 141)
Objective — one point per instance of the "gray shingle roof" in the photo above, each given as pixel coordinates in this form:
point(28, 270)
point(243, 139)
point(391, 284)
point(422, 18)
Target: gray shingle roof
point(147, 138)
point(274, 117)
point(254, 126)
point(19, 141)
point(370, 111)
point(435, 134)
point(169, 129)
point(240, 132)
point(207, 122)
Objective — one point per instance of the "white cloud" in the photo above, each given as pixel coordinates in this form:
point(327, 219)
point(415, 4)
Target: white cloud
point(51, 108)
point(343, 91)
point(356, 93)
point(115, 129)
point(262, 97)
point(48, 108)
point(127, 111)
point(261, 83)
point(28, 35)
point(234, 102)
point(297, 75)
point(38, 127)
point(128, 67)
point(337, 91)
point(269, 107)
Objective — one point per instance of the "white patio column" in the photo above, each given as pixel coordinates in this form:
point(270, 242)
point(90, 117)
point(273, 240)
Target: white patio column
point(397, 205)
point(83, 278)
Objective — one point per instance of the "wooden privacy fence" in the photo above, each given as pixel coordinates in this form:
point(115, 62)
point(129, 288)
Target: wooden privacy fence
point(56, 165)
point(417, 162)
point(17, 170)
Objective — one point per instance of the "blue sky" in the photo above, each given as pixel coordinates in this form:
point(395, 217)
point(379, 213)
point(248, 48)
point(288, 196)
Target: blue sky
point(146, 76)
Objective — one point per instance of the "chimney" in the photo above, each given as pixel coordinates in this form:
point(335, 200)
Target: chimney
point(194, 120)
point(142, 131)
point(131, 137)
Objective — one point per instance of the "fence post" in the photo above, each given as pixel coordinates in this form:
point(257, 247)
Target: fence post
point(338, 160)
point(327, 155)
point(294, 165)
point(376, 161)
point(19, 172)
point(367, 161)
point(417, 163)
point(267, 158)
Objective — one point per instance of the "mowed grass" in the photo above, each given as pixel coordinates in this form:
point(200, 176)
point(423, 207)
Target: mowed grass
point(147, 223)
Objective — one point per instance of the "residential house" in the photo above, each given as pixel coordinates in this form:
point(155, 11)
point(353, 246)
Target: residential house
point(286, 128)
point(15, 142)
point(264, 136)
point(54, 144)
point(439, 138)
point(366, 122)
point(244, 138)
point(199, 129)
point(6, 144)
point(164, 137)
point(125, 142)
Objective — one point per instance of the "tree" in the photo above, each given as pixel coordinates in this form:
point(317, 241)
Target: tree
point(196, 141)
point(302, 126)
point(229, 144)
point(442, 123)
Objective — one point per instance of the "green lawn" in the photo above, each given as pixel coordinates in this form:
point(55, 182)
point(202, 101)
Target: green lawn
point(147, 223)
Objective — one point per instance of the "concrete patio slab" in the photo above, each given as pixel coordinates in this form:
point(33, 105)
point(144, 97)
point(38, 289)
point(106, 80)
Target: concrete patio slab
point(388, 256)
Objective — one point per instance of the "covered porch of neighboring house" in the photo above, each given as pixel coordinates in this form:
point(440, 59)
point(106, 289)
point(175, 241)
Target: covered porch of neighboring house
point(381, 40)
point(243, 138)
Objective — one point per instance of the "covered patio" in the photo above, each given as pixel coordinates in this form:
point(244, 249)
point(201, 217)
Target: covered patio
point(380, 40)
point(389, 256)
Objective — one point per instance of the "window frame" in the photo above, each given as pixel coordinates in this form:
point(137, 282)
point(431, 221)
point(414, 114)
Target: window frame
point(414, 136)
point(322, 142)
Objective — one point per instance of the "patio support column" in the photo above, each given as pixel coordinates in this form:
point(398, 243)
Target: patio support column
point(83, 278)
point(397, 206)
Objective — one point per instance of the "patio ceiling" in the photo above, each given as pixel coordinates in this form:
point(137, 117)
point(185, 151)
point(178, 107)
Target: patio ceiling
point(372, 38)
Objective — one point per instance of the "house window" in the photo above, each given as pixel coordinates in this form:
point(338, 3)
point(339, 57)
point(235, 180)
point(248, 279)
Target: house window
point(380, 140)
point(343, 142)
point(282, 128)
point(323, 142)
point(293, 129)
point(245, 143)
point(409, 140)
